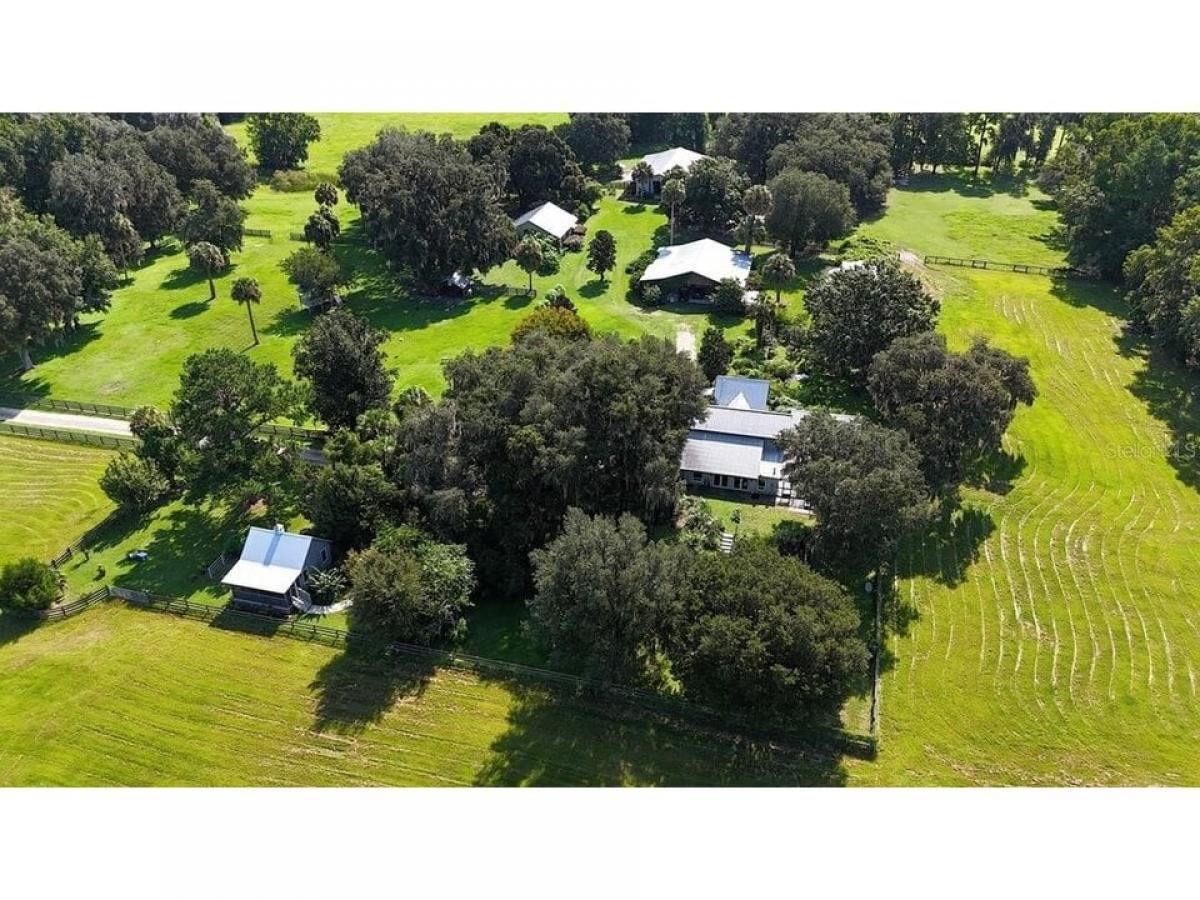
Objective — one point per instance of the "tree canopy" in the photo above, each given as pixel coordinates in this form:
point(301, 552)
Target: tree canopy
point(855, 313)
point(763, 634)
point(340, 358)
point(28, 583)
point(714, 189)
point(809, 208)
point(1164, 284)
point(553, 320)
point(954, 406)
point(428, 207)
point(604, 595)
point(213, 218)
point(411, 587)
point(597, 139)
point(862, 480)
point(852, 149)
point(280, 140)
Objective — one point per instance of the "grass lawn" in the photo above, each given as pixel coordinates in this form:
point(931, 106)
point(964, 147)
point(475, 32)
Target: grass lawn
point(119, 696)
point(132, 354)
point(1051, 635)
point(51, 495)
point(757, 518)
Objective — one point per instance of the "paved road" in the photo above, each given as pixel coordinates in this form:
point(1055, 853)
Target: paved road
point(40, 418)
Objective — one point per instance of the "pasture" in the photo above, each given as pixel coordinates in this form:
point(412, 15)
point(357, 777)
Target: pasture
point(50, 495)
point(119, 696)
point(132, 354)
point(1049, 635)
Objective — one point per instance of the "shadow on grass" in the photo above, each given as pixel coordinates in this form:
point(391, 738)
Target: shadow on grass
point(190, 309)
point(967, 185)
point(15, 627)
point(357, 687)
point(63, 343)
point(558, 740)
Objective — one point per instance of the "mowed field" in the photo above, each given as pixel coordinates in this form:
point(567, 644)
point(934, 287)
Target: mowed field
point(125, 697)
point(51, 495)
point(1052, 636)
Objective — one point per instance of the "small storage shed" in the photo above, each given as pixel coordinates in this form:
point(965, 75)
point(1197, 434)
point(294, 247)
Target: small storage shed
point(270, 574)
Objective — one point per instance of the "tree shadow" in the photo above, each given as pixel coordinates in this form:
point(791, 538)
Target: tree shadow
point(62, 343)
point(518, 300)
point(947, 546)
point(555, 739)
point(998, 471)
point(965, 184)
point(183, 277)
point(190, 309)
point(356, 688)
point(594, 288)
point(1168, 390)
point(13, 627)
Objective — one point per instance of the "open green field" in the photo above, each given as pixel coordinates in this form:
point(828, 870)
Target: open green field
point(1052, 636)
point(51, 495)
point(132, 354)
point(118, 696)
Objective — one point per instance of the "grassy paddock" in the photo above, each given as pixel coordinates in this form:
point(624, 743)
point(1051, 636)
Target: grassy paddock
point(50, 495)
point(1048, 635)
point(215, 707)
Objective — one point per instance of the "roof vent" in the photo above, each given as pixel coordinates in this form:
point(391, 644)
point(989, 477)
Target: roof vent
point(278, 528)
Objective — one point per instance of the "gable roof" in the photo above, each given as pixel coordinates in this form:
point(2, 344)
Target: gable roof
point(552, 219)
point(722, 454)
point(741, 393)
point(272, 559)
point(664, 162)
point(756, 423)
point(708, 258)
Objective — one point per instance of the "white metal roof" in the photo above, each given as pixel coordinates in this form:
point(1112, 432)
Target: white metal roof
point(705, 257)
point(552, 219)
point(741, 393)
point(271, 560)
point(664, 162)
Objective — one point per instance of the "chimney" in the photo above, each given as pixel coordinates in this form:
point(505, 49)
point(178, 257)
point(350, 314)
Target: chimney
point(278, 528)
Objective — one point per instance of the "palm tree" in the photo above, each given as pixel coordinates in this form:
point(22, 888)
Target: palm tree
point(757, 202)
point(207, 259)
point(673, 192)
point(776, 273)
point(529, 257)
point(246, 290)
point(641, 176)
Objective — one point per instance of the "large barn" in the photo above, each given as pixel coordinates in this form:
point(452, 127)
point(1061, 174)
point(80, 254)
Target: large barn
point(692, 271)
point(660, 164)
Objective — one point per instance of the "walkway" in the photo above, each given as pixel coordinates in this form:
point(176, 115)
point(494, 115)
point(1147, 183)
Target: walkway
point(685, 342)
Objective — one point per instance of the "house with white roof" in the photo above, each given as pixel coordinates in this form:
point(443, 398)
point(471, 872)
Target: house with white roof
point(549, 219)
point(662, 163)
point(271, 573)
point(735, 446)
point(692, 270)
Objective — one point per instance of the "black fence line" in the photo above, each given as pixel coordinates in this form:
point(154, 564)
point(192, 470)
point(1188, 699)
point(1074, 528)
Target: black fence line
point(256, 232)
point(33, 401)
point(85, 438)
point(83, 540)
point(851, 741)
point(1022, 268)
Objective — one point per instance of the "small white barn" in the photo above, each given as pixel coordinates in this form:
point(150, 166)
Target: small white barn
point(662, 163)
point(270, 574)
point(549, 219)
point(693, 270)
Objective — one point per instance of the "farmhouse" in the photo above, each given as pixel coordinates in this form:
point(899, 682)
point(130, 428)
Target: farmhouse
point(691, 271)
point(662, 163)
point(548, 219)
point(734, 446)
point(270, 575)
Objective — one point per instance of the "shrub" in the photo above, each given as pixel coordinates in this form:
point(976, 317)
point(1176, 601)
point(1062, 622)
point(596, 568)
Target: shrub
point(28, 584)
point(652, 295)
point(293, 181)
point(792, 537)
point(133, 483)
point(553, 320)
point(573, 242)
point(699, 528)
point(412, 587)
point(728, 298)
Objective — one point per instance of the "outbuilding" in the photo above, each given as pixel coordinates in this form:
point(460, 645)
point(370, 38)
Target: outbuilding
point(692, 271)
point(660, 164)
point(271, 574)
point(549, 219)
